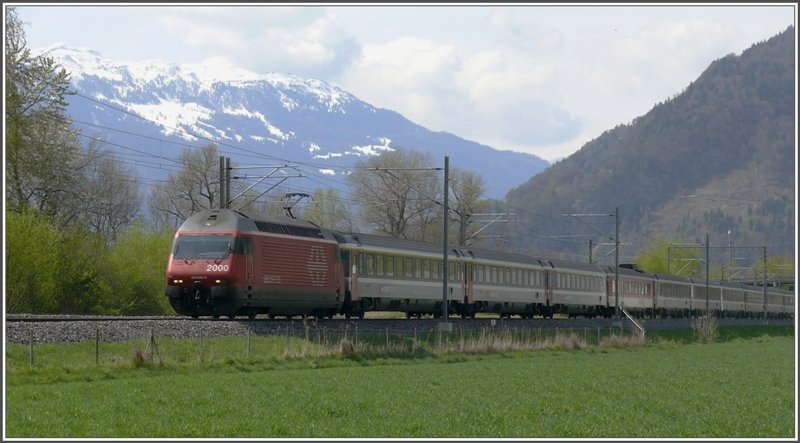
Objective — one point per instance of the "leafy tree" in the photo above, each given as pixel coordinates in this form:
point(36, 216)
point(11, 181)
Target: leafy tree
point(779, 268)
point(51, 269)
point(137, 270)
point(31, 249)
point(661, 257)
point(81, 267)
point(42, 152)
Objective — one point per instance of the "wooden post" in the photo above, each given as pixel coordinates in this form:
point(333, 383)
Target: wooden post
point(30, 354)
point(97, 346)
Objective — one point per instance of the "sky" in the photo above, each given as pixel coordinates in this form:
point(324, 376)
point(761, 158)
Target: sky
point(538, 78)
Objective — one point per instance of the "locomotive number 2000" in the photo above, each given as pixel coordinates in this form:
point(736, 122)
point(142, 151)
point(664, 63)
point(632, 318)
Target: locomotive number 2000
point(217, 268)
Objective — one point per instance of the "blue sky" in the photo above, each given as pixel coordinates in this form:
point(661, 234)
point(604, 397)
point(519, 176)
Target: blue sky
point(542, 79)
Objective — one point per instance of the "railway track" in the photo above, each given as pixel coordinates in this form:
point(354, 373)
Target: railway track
point(72, 329)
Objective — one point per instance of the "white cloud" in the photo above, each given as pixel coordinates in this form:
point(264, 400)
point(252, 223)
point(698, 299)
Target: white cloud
point(266, 38)
point(410, 75)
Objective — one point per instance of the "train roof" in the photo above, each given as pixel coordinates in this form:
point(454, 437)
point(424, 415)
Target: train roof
point(629, 272)
point(228, 219)
point(391, 243)
point(588, 267)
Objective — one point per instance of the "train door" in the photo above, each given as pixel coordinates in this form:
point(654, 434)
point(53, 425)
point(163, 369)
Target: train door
point(469, 272)
point(246, 245)
point(549, 283)
point(353, 271)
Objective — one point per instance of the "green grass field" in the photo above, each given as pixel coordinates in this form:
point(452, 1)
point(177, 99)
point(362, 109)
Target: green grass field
point(741, 386)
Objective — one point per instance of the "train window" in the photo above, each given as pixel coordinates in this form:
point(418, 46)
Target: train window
point(399, 266)
point(426, 268)
point(409, 265)
point(370, 264)
point(379, 264)
point(203, 246)
point(243, 245)
point(493, 275)
point(436, 269)
point(390, 266)
point(417, 268)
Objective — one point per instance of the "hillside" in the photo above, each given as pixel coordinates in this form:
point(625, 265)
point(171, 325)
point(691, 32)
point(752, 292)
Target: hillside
point(719, 156)
point(158, 107)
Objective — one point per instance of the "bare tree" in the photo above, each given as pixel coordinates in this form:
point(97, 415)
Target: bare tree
point(467, 198)
point(110, 193)
point(395, 190)
point(328, 210)
point(193, 188)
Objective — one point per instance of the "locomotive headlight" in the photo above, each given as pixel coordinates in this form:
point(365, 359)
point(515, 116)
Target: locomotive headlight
point(177, 281)
point(219, 282)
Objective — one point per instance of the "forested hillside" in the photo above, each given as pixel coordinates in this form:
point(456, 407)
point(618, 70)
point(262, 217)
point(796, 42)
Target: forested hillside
point(718, 156)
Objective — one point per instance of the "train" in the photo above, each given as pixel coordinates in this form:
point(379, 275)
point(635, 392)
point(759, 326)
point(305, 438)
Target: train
point(226, 263)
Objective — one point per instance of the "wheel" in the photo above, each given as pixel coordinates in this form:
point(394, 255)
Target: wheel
point(231, 316)
point(216, 316)
point(252, 315)
point(361, 314)
point(195, 316)
point(271, 316)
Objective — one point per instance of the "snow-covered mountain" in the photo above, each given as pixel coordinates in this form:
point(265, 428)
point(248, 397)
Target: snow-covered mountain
point(157, 108)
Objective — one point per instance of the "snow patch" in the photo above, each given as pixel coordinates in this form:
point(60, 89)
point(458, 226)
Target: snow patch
point(173, 116)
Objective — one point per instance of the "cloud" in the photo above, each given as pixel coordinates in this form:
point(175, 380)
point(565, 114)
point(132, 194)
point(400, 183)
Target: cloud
point(527, 36)
point(410, 75)
point(266, 38)
point(502, 95)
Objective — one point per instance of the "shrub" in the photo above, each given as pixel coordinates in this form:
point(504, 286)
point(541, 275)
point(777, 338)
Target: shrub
point(705, 328)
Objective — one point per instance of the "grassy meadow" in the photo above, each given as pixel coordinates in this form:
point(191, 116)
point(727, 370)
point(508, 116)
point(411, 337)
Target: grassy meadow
point(523, 386)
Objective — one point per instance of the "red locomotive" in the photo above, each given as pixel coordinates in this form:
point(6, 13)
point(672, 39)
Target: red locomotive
point(224, 263)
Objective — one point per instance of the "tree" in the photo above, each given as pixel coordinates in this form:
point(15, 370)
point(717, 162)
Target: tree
point(659, 256)
point(329, 210)
point(397, 190)
point(193, 188)
point(137, 267)
point(31, 280)
point(42, 152)
point(467, 190)
point(110, 193)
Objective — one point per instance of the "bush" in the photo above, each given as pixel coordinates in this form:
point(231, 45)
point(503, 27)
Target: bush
point(705, 328)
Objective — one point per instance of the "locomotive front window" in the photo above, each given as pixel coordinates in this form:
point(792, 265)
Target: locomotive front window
point(203, 246)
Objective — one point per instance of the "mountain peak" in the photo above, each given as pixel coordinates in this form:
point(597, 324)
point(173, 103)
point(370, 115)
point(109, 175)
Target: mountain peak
point(279, 115)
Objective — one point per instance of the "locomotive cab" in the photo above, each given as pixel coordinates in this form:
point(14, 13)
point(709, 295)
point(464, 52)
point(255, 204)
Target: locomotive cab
point(202, 270)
